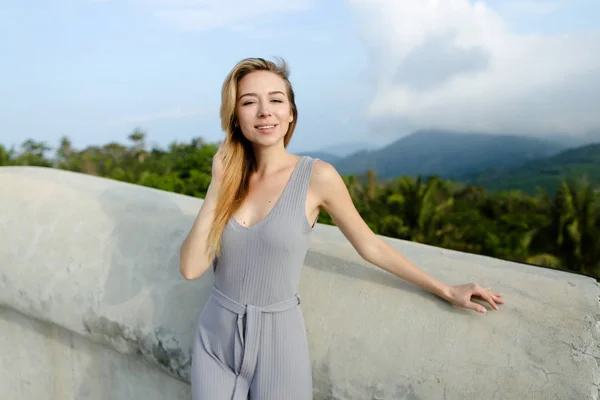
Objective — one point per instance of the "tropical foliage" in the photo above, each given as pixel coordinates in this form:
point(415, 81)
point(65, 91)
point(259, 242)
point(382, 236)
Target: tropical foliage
point(560, 229)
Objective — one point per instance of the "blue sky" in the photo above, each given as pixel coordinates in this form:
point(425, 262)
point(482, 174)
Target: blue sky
point(368, 70)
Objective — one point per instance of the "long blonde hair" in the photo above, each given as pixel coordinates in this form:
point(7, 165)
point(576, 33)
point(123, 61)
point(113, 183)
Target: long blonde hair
point(238, 155)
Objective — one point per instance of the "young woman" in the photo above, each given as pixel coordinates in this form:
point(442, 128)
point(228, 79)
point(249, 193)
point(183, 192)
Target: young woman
point(254, 228)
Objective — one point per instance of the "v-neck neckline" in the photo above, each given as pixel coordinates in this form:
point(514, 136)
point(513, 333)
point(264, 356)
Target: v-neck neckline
point(272, 210)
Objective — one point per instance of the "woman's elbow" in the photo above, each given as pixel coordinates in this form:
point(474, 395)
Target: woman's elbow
point(368, 249)
point(190, 269)
point(188, 274)
point(185, 270)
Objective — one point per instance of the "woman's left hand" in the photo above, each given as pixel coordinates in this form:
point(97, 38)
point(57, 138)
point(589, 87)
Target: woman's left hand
point(460, 296)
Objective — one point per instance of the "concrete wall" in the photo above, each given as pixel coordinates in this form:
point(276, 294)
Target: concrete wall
point(41, 360)
point(92, 306)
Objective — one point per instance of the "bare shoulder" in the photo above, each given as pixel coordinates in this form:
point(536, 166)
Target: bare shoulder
point(324, 172)
point(333, 196)
point(325, 179)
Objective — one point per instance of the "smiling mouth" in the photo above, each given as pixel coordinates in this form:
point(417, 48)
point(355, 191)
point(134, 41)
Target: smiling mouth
point(265, 127)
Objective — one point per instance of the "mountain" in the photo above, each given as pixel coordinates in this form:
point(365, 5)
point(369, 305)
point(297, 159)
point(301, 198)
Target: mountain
point(447, 154)
point(571, 140)
point(330, 158)
point(545, 173)
point(348, 148)
point(335, 153)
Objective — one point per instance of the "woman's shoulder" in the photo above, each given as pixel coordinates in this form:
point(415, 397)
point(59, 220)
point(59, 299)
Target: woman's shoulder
point(323, 172)
point(323, 175)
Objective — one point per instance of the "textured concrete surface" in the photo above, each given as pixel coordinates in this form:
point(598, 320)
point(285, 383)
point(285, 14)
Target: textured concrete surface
point(43, 361)
point(99, 258)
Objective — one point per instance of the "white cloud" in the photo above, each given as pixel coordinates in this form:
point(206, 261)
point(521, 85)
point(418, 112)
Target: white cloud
point(534, 6)
point(210, 14)
point(455, 64)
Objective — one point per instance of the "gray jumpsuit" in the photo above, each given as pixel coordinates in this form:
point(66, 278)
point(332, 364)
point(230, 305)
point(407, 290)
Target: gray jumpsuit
point(251, 340)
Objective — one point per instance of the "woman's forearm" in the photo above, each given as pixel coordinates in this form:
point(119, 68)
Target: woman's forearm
point(386, 257)
point(194, 257)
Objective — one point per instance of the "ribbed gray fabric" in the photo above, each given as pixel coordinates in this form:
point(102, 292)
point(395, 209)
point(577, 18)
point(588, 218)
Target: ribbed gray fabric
point(251, 340)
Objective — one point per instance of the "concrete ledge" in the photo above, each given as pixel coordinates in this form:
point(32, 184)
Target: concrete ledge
point(99, 258)
point(43, 361)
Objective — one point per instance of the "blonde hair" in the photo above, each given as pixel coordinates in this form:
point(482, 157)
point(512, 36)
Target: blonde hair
point(238, 155)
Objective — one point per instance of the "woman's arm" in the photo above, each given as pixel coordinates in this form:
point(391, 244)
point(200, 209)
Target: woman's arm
point(335, 199)
point(194, 253)
point(194, 257)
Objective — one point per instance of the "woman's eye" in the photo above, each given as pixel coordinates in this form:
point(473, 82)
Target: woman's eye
point(252, 102)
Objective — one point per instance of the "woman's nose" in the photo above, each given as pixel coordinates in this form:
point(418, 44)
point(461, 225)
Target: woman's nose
point(263, 110)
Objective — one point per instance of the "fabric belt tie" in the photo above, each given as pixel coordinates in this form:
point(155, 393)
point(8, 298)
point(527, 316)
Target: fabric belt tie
point(251, 340)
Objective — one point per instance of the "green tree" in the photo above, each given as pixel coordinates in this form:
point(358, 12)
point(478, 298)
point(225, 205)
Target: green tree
point(33, 154)
point(416, 209)
point(572, 232)
point(6, 156)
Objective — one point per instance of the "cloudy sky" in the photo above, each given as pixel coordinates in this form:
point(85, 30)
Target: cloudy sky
point(369, 70)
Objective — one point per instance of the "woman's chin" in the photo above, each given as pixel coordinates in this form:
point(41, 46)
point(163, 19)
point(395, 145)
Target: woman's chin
point(267, 140)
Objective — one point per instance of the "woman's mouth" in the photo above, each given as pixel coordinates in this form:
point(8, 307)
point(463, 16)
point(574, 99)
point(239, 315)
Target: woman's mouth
point(266, 128)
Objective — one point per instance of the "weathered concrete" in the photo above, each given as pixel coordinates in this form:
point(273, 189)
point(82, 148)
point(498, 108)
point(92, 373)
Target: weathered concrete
point(41, 360)
point(99, 259)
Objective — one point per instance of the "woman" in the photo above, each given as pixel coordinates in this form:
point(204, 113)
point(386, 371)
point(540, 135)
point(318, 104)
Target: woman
point(254, 228)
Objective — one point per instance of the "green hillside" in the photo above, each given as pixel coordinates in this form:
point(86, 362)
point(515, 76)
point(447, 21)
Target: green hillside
point(447, 154)
point(544, 173)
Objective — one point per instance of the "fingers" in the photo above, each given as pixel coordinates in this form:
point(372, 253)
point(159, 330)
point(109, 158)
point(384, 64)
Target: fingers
point(490, 296)
point(485, 294)
point(498, 298)
point(491, 301)
point(476, 307)
point(464, 293)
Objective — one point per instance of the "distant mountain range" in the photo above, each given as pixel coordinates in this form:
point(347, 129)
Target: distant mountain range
point(447, 154)
point(321, 155)
point(493, 161)
point(333, 154)
point(348, 148)
point(545, 173)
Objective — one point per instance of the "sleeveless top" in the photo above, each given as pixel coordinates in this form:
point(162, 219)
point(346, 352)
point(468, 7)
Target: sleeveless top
point(261, 264)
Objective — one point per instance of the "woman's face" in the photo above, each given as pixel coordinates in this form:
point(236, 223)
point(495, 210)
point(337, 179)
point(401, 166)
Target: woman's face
point(263, 109)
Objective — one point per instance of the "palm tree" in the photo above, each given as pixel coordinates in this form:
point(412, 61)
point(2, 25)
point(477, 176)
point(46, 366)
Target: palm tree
point(416, 209)
point(573, 226)
point(138, 137)
point(65, 156)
